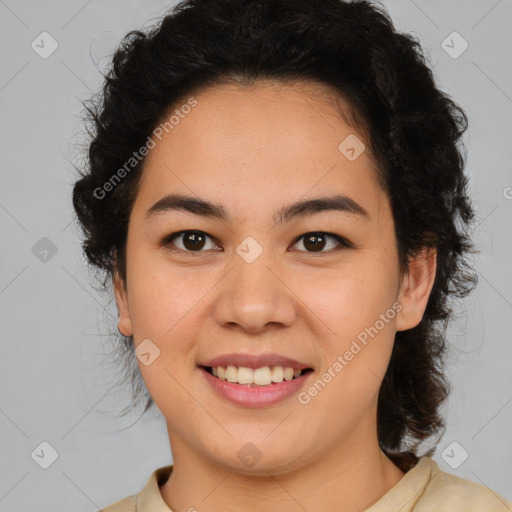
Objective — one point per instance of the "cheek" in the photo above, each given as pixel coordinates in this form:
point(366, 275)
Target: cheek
point(164, 307)
point(163, 295)
point(351, 299)
point(359, 309)
point(167, 307)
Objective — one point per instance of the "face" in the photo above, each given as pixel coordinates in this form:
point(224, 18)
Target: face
point(320, 286)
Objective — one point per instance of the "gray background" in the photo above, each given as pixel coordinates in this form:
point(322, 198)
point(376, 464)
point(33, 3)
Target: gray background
point(57, 385)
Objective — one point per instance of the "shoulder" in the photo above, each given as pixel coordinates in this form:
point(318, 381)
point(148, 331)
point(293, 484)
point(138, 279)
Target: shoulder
point(125, 505)
point(148, 499)
point(447, 492)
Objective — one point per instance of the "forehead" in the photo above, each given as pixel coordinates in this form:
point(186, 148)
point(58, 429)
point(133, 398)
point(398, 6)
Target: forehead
point(268, 111)
point(262, 141)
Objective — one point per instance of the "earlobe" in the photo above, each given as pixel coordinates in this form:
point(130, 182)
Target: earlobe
point(124, 324)
point(415, 290)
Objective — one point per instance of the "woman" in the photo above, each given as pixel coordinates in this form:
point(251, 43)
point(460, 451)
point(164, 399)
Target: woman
point(276, 191)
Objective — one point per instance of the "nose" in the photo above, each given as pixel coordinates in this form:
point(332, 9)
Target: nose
point(253, 297)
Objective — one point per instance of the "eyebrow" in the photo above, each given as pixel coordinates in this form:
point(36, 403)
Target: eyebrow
point(197, 206)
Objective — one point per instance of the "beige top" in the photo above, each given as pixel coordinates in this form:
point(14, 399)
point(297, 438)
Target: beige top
point(424, 488)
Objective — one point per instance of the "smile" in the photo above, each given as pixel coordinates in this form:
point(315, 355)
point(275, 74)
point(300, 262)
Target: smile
point(255, 388)
point(263, 376)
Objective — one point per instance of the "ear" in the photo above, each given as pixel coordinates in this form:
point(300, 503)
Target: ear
point(415, 289)
point(125, 324)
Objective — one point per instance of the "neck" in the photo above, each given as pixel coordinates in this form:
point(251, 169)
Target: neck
point(355, 474)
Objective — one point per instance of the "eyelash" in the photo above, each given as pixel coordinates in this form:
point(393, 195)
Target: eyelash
point(344, 244)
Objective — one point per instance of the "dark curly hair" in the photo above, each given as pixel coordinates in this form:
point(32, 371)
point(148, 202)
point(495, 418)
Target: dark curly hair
point(414, 131)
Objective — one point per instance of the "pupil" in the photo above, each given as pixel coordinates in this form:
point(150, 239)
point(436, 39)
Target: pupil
point(197, 240)
point(315, 242)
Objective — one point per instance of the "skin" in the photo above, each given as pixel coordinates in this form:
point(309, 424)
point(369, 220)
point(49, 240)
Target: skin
point(255, 149)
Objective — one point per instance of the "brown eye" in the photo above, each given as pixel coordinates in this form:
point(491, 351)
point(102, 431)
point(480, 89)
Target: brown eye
point(317, 241)
point(194, 241)
point(191, 241)
point(314, 242)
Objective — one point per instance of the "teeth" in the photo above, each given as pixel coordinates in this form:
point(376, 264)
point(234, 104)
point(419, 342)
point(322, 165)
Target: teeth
point(245, 375)
point(277, 374)
point(260, 376)
point(288, 373)
point(231, 374)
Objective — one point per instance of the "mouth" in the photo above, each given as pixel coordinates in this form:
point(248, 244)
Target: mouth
point(255, 377)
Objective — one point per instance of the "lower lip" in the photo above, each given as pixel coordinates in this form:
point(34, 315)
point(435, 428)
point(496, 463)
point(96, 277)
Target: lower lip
point(255, 396)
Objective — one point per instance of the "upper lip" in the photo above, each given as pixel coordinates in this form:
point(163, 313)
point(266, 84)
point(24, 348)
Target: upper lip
point(255, 361)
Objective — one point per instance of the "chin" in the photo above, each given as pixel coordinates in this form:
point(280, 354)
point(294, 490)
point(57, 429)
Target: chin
point(252, 461)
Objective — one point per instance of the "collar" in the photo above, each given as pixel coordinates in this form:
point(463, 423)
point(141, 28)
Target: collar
point(406, 492)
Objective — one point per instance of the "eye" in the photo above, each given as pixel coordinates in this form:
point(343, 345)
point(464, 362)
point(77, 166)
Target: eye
point(315, 241)
point(192, 241)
